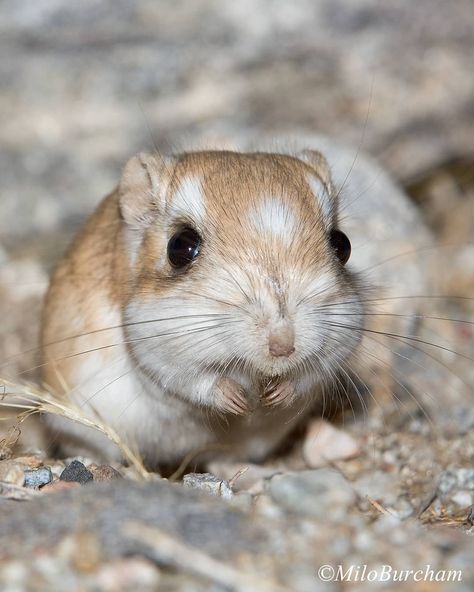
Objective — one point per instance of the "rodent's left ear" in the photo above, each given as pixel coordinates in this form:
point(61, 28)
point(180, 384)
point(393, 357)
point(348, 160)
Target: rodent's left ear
point(321, 166)
point(143, 187)
point(322, 184)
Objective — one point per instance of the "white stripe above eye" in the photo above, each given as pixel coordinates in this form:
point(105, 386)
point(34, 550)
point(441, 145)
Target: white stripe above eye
point(322, 195)
point(188, 199)
point(273, 216)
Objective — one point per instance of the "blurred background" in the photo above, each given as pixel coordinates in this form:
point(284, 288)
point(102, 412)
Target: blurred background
point(85, 85)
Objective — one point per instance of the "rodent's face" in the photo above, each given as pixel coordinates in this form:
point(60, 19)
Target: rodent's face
point(237, 269)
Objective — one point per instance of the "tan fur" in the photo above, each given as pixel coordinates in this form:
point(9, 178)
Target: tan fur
point(82, 282)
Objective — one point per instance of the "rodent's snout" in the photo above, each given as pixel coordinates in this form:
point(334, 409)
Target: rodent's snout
point(281, 341)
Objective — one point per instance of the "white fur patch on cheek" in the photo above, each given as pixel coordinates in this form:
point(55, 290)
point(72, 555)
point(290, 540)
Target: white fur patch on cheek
point(325, 201)
point(188, 200)
point(327, 323)
point(273, 216)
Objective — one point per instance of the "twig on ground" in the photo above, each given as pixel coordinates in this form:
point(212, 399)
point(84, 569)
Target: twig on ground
point(165, 549)
point(379, 507)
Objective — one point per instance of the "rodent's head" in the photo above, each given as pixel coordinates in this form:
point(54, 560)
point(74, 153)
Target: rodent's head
point(237, 269)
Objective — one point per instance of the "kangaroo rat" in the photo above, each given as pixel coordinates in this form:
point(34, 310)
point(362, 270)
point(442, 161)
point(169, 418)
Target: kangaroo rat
point(204, 301)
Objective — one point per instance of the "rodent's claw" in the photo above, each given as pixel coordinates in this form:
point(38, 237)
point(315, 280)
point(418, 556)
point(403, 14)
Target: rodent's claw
point(281, 394)
point(230, 397)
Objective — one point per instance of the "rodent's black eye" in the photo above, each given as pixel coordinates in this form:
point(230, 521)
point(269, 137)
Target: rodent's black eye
point(183, 247)
point(341, 245)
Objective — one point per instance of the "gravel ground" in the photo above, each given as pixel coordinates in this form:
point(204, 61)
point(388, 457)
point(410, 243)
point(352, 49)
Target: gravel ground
point(83, 88)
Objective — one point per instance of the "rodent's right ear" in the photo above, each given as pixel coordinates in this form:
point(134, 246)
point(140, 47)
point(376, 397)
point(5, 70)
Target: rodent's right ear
point(143, 187)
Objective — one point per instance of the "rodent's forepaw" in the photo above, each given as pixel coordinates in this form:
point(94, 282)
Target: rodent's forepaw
point(278, 394)
point(230, 397)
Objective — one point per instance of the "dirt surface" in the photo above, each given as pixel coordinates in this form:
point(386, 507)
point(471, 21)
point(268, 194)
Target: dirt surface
point(84, 87)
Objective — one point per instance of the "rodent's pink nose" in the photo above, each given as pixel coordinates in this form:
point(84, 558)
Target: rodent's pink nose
point(281, 342)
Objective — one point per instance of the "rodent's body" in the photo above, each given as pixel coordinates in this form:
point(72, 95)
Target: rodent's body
point(232, 349)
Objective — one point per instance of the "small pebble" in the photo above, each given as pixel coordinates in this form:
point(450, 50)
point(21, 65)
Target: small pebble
point(12, 472)
point(76, 471)
point(105, 473)
point(60, 486)
point(324, 443)
point(209, 483)
point(38, 477)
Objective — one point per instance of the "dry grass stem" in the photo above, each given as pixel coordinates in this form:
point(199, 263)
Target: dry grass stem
point(30, 399)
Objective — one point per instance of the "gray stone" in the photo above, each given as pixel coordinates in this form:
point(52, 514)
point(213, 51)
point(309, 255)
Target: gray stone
point(209, 483)
point(76, 471)
point(38, 477)
point(103, 510)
